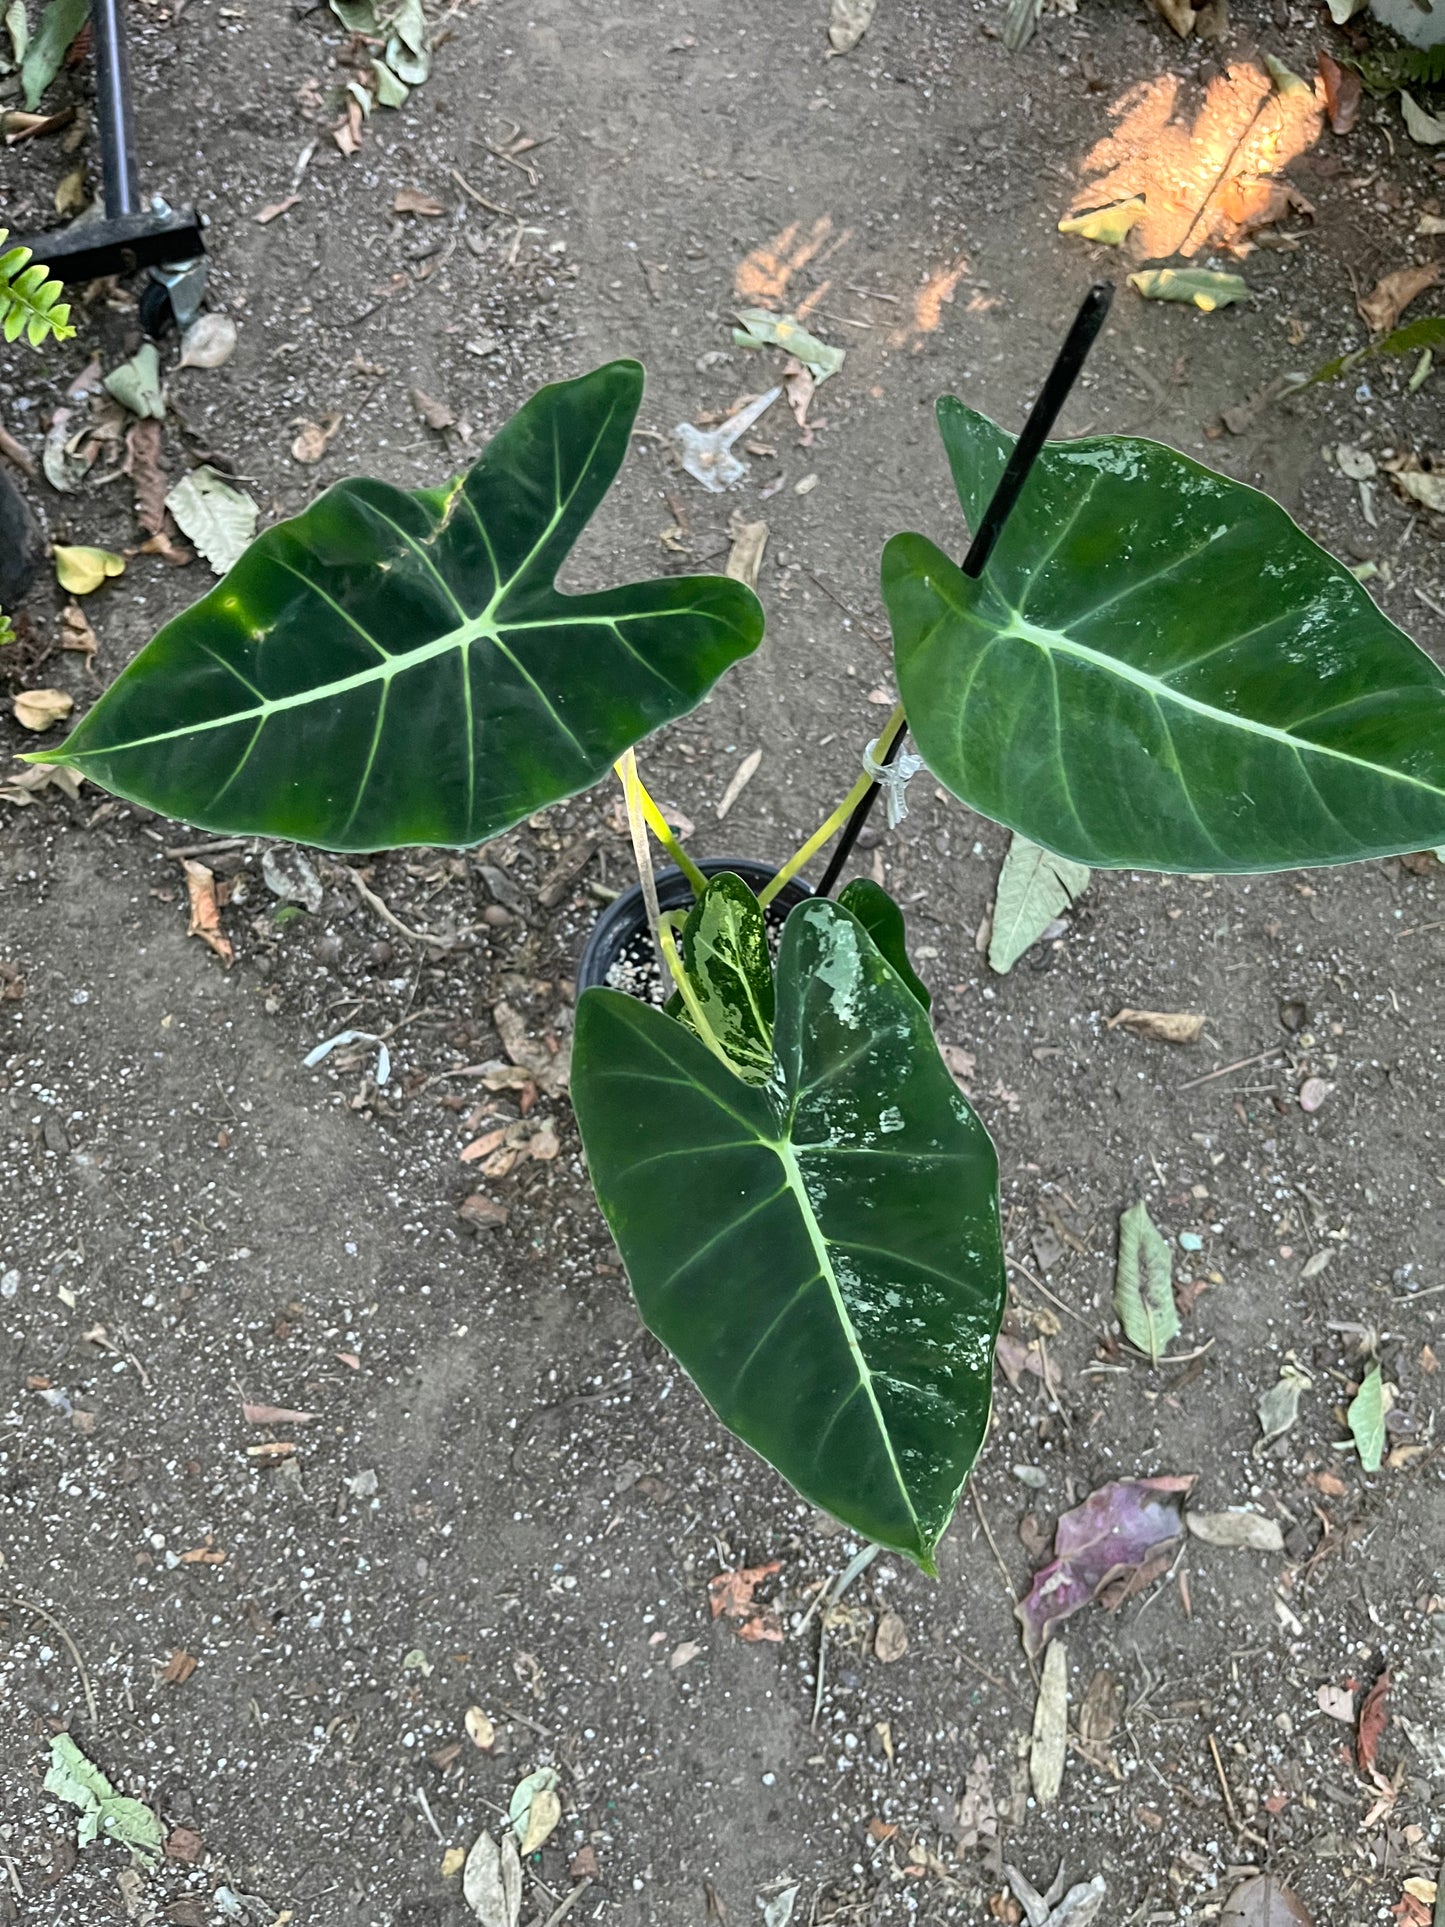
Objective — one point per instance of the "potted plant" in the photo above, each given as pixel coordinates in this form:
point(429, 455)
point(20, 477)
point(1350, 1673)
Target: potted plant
point(1140, 664)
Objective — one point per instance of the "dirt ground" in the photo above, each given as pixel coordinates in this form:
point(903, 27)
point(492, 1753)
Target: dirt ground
point(507, 1497)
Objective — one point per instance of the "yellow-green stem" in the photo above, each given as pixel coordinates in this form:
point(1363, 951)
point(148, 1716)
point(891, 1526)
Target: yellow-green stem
point(660, 828)
point(827, 831)
point(626, 768)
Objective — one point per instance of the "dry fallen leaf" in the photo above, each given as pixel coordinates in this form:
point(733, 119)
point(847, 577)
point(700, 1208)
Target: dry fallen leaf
point(730, 1595)
point(1425, 486)
point(483, 1212)
point(205, 920)
point(1248, 1529)
point(40, 709)
point(681, 1654)
point(81, 570)
point(315, 438)
point(411, 200)
point(1162, 1026)
point(746, 770)
point(1382, 307)
point(890, 1642)
point(1336, 1703)
point(274, 208)
point(1374, 1717)
point(1264, 1902)
point(209, 342)
point(848, 22)
point(1342, 94)
point(480, 1730)
point(492, 1881)
point(745, 557)
point(148, 479)
point(434, 413)
point(275, 1415)
point(1051, 1726)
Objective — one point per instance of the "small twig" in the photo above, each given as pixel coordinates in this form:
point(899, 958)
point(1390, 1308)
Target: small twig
point(873, 635)
point(1039, 1285)
point(836, 1588)
point(822, 1656)
point(1223, 1782)
point(561, 1911)
point(993, 1546)
point(29, 1606)
point(431, 1818)
point(1224, 1070)
point(543, 1732)
point(369, 896)
point(18, 453)
point(206, 849)
point(492, 207)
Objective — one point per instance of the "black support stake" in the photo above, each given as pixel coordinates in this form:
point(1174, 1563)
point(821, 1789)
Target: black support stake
point(1044, 413)
point(112, 104)
point(132, 232)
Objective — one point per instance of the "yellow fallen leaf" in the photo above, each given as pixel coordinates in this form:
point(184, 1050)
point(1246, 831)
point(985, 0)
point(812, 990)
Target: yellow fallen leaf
point(453, 1860)
point(480, 1730)
point(80, 571)
point(42, 708)
point(543, 1814)
point(1108, 225)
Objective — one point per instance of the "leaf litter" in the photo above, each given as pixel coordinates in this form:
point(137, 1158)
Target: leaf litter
point(1144, 1285)
point(1114, 1545)
point(1034, 888)
point(103, 1811)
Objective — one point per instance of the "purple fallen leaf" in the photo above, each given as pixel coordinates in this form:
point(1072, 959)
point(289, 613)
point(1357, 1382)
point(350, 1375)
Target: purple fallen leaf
point(1111, 1536)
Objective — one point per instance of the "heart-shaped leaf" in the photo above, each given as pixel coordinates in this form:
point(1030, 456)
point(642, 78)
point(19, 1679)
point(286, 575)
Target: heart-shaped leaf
point(883, 920)
point(394, 668)
point(822, 1253)
point(1158, 670)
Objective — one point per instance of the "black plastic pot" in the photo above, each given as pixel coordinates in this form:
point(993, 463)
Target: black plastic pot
point(621, 933)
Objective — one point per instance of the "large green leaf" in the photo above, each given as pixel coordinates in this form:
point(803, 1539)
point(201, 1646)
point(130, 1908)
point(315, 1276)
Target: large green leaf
point(881, 917)
point(1159, 670)
point(394, 668)
point(822, 1254)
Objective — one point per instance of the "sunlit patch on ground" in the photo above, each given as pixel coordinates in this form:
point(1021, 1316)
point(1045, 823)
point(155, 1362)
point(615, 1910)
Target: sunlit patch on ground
point(1211, 179)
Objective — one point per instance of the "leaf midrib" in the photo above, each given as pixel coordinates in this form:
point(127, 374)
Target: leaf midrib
point(782, 1149)
point(480, 628)
point(822, 1250)
point(1054, 642)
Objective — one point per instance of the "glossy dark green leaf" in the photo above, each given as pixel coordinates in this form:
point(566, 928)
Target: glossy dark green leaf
point(394, 668)
point(1159, 670)
point(881, 917)
point(822, 1253)
point(724, 948)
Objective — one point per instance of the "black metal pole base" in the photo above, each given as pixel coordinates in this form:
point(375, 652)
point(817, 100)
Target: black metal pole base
point(116, 244)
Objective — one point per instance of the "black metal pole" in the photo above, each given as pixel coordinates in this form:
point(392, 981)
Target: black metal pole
point(112, 106)
point(1044, 413)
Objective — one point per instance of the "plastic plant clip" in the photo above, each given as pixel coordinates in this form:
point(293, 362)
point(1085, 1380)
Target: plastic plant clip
point(707, 452)
point(892, 778)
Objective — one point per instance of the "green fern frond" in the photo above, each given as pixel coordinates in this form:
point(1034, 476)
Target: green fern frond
point(29, 302)
point(7, 629)
point(1390, 68)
